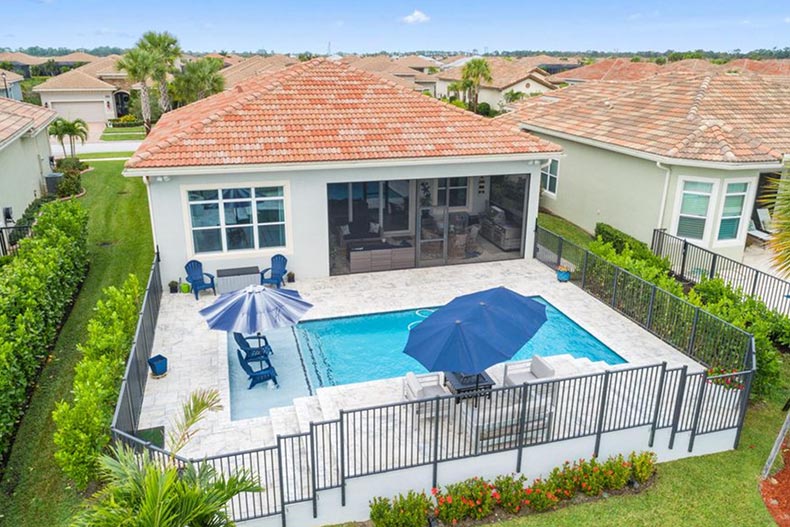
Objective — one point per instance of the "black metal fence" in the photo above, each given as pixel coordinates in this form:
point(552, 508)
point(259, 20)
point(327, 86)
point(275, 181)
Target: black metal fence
point(693, 331)
point(130, 400)
point(693, 264)
point(366, 441)
point(10, 238)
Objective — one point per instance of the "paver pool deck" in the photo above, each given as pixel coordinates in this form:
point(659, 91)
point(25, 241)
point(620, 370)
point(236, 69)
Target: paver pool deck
point(198, 357)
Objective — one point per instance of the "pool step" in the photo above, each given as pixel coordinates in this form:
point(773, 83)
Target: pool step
point(308, 409)
point(284, 420)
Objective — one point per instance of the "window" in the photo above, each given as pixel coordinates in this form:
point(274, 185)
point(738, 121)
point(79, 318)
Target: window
point(694, 209)
point(455, 187)
point(235, 219)
point(548, 176)
point(732, 210)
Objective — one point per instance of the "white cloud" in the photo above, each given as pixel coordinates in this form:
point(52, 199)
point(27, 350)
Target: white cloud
point(417, 17)
point(787, 20)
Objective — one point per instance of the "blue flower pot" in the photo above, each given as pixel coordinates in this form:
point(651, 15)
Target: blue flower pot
point(563, 276)
point(158, 365)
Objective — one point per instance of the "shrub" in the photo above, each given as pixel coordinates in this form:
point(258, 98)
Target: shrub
point(541, 496)
point(459, 103)
point(621, 240)
point(127, 121)
point(35, 291)
point(28, 217)
point(484, 108)
point(70, 165)
point(643, 466)
point(410, 510)
point(566, 480)
point(69, 185)
point(83, 425)
point(617, 472)
point(592, 477)
point(5, 260)
point(509, 492)
point(470, 499)
point(646, 269)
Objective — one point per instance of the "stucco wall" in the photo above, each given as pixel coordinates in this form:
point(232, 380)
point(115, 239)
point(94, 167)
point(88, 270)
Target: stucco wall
point(307, 236)
point(47, 98)
point(493, 96)
point(14, 91)
point(23, 163)
point(597, 185)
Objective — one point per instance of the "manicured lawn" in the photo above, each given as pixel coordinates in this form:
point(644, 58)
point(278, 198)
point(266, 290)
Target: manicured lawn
point(123, 134)
point(564, 228)
point(33, 491)
point(103, 155)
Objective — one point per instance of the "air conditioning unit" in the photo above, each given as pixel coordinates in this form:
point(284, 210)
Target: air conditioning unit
point(52, 179)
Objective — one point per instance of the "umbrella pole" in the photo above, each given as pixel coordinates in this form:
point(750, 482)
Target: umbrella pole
point(477, 386)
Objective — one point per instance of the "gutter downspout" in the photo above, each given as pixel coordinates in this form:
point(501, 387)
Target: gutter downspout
point(668, 171)
point(147, 182)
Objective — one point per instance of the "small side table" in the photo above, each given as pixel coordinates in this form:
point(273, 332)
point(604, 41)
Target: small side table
point(465, 386)
point(237, 278)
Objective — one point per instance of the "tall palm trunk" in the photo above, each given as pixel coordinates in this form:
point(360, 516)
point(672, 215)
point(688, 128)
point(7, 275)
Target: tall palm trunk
point(145, 104)
point(62, 145)
point(164, 96)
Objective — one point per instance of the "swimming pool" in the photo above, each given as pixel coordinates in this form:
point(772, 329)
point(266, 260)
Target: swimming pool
point(370, 347)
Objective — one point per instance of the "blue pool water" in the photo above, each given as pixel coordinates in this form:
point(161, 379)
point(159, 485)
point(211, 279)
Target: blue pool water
point(369, 347)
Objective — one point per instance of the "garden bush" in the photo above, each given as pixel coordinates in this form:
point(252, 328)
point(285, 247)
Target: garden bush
point(509, 492)
point(127, 121)
point(541, 496)
point(566, 480)
point(28, 217)
point(592, 478)
point(36, 289)
point(621, 240)
point(471, 499)
point(83, 425)
point(69, 165)
point(411, 510)
point(643, 466)
point(70, 185)
point(617, 472)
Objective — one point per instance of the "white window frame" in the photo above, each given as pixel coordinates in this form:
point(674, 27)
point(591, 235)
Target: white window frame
point(255, 251)
point(711, 223)
point(748, 205)
point(545, 190)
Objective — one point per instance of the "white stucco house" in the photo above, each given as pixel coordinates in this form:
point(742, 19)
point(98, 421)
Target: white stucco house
point(94, 92)
point(519, 75)
point(24, 155)
point(11, 85)
point(687, 152)
point(341, 171)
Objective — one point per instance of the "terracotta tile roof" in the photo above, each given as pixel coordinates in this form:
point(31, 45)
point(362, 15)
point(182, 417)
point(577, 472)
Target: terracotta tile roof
point(416, 62)
point(229, 59)
point(453, 58)
point(323, 111)
point(73, 80)
point(764, 67)
point(12, 76)
point(717, 118)
point(253, 66)
point(17, 117)
point(692, 65)
point(504, 72)
point(105, 66)
point(619, 69)
point(76, 56)
point(21, 58)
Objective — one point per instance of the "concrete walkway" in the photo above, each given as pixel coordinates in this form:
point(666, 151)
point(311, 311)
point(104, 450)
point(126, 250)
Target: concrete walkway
point(99, 147)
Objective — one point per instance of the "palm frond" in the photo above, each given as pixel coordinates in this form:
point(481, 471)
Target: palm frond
point(200, 402)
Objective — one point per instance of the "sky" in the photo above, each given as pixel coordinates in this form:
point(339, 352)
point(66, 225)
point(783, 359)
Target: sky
point(373, 25)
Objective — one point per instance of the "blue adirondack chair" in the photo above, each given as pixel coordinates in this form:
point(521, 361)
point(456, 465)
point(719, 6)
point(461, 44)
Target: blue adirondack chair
point(253, 353)
point(276, 272)
point(258, 376)
point(197, 278)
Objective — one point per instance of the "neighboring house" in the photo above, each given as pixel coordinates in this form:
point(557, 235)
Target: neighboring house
point(392, 70)
point(24, 155)
point(21, 61)
point(617, 69)
point(94, 92)
point(518, 75)
point(11, 85)
point(74, 59)
point(228, 59)
point(418, 63)
point(341, 172)
point(253, 66)
point(684, 152)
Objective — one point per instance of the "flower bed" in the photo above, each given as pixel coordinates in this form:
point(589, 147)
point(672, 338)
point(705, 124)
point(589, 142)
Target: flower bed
point(476, 499)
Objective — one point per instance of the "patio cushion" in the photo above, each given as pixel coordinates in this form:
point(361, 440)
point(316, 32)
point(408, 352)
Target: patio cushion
point(413, 384)
point(540, 368)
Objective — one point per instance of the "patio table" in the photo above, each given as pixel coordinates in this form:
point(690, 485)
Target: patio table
point(466, 386)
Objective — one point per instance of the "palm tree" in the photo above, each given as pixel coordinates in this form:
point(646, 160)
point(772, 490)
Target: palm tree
point(58, 130)
point(165, 47)
point(476, 71)
point(779, 195)
point(138, 491)
point(140, 65)
point(76, 129)
point(199, 79)
point(513, 96)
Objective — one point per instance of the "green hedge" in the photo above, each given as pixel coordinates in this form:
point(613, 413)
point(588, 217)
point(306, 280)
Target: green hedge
point(36, 289)
point(621, 240)
point(83, 425)
point(29, 217)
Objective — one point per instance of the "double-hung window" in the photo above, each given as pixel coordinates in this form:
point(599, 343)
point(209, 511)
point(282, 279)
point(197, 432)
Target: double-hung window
point(732, 210)
point(548, 176)
point(694, 207)
point(236, 219)
point(454, 189)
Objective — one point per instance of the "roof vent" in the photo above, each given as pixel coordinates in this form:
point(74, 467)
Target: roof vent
point(609, 105)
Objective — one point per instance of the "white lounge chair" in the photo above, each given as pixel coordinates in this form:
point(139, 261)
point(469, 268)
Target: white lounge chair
point(767, 224)
point(425, 386)
point(527, 371)
point(759, 236)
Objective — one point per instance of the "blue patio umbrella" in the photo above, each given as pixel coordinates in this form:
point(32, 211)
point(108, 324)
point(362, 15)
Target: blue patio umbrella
point(476, 331)
point(255, 309)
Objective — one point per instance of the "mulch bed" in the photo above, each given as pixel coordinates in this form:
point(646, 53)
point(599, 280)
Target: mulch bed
point(776, 491)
